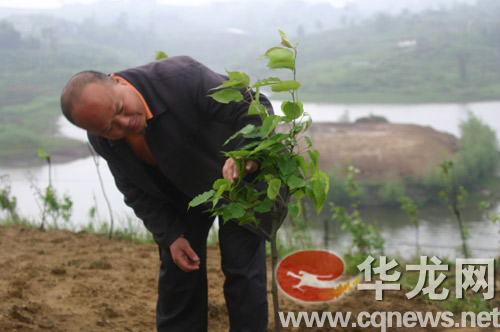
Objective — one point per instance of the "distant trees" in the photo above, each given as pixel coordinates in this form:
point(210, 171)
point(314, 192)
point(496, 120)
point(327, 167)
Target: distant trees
point(10, 38)
point(478, 155)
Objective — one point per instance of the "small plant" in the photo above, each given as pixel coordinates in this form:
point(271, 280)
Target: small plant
point(283, 169)
point(366, 238)
point(494, 217)
point(455, 196)
point(298, 234)
point(8, 202)
point(53, 206)
point(95, 158)
point(411, 209)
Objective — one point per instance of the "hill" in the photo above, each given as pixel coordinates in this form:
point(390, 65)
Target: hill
point(447, 55)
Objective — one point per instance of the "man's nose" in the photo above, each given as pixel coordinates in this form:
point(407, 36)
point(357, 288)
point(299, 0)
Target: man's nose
point(121, 121)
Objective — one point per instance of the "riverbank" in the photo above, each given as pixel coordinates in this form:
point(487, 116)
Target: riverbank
point(63, 282)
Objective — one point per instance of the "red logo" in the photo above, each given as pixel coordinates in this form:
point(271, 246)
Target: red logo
point(311, 276)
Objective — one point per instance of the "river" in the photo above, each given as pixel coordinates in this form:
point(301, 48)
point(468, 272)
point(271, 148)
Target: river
point(438, 231)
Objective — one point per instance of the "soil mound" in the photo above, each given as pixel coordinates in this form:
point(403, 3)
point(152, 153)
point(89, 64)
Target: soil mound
point(377, 147)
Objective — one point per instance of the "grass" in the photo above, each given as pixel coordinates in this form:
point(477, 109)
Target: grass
point(133, 232)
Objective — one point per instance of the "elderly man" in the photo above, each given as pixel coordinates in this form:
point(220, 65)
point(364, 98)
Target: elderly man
point(162, 137)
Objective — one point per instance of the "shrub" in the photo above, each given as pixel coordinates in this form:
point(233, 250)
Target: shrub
point(478, 155)
point(392, 189)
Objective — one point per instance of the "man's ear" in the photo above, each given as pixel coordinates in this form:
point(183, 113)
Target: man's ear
point(118, 79)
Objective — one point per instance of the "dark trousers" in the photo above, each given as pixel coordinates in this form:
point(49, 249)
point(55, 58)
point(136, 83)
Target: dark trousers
point(182, 296)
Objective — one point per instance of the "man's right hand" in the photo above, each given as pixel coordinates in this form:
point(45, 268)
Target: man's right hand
point(184, 256)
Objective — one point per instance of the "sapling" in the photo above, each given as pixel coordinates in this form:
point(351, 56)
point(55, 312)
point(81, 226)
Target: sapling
point(95, 158)
point(455, 196)
point(286, 177)
point(53, 205)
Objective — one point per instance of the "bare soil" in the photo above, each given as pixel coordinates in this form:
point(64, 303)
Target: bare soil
point(379, 147)
point(62, 281)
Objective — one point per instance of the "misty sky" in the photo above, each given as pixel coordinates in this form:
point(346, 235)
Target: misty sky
point(59, 3)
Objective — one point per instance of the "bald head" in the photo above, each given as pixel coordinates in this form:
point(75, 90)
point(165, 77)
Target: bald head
point(71, 95)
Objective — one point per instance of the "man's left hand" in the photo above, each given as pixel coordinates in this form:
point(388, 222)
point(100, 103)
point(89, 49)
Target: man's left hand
point(230, 169)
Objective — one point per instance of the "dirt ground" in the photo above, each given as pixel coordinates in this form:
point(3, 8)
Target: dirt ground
point(62, 282)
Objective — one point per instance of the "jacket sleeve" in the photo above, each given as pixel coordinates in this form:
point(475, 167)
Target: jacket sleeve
point(163, 219)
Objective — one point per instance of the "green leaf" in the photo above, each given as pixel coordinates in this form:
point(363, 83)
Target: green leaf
point(160, 55)
point(266, 81)
point(308, 122)
point(300, 161)
point(227, 95)
point(284, 39)
point(264, 206)
point(237, 79)
point(299, 194)
point(248, 218)
point(236, 154)
point(295, 182)
point(294, 210)
point(230, 84)
point(280, 58)
point(286, 86)
point(42, 155)
point(268, 162)
point(239, 76)
point(286, 164)
point(220, 183)
point(256, 109)
point(325, 177)
point(319, 189)
point(245, 131)
point(233, 211)
point(273, 189)
point(314, 155)
point(202, 198)
point(292, 110)
point(269, 124)
point(308, 141)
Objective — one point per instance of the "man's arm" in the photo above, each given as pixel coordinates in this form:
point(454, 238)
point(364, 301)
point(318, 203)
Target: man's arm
point(162, 219)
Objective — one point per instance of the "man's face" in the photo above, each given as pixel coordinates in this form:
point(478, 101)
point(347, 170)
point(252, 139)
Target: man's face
point(111, 111)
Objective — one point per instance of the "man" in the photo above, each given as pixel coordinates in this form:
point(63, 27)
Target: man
point(162, 136)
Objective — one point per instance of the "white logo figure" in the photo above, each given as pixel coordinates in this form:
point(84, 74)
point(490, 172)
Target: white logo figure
point(312, 280)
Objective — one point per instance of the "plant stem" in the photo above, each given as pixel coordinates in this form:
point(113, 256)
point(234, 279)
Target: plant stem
point(274, 289)
point(96, 162)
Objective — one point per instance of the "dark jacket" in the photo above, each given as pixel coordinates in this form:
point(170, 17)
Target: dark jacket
point(185, 136)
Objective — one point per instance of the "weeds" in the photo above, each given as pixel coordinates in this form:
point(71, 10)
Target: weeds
point(8, 202)
point(53, 206)
point(366, 238)
point(411, 209)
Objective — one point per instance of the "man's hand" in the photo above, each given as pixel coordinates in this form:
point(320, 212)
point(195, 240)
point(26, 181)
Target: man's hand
point(230, 170)
point(184, 256)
